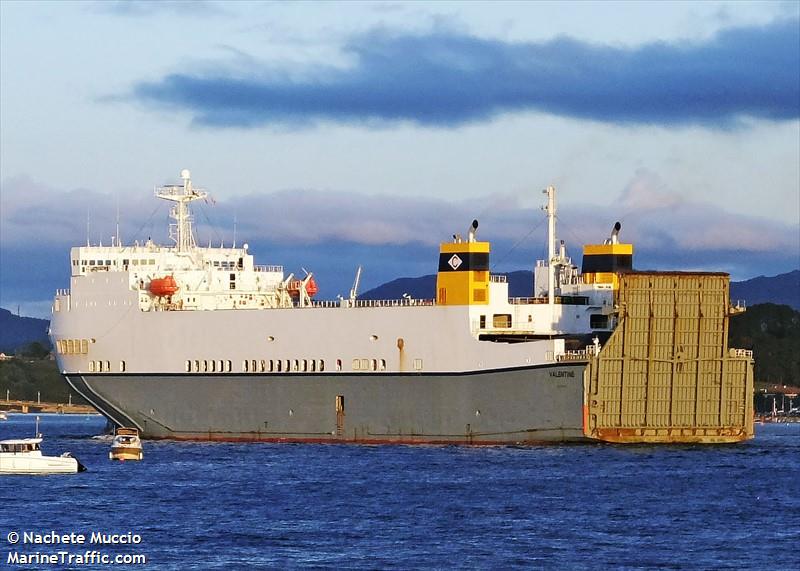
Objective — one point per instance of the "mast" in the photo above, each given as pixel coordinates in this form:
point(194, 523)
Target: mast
point(551, 246)
point(181, 195)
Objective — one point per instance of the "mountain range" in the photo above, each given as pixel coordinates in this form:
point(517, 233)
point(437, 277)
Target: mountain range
point(783, 289)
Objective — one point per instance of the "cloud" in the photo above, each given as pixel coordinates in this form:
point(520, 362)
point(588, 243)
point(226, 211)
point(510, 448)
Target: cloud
point(447, 79)
point(142, 8)
point(332, 232)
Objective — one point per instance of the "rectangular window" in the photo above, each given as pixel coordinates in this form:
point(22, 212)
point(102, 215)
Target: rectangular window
point(91, 366)
point(356, 364)
point(304, 365)
point(188, 366)
point(321, 365)
point(107, 367)
point(417, 364)
point(338, 364)
point(151, 262)
point(479, 295)
point(122, 366)
point(598, 321)
point(228, 366)
point(134, 262)
point(278, 366)
point(108, 262)
point(482, 324)
point(213, 366)
point(246, 366)
point(263, 364)
point(382, 365)
point(364, 364)
point(84, 346)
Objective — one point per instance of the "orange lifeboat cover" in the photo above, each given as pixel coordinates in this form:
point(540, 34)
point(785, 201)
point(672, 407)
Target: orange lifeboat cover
point(163, 286)
point(295, 286)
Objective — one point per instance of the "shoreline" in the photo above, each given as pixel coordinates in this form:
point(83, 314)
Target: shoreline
point(33, 407)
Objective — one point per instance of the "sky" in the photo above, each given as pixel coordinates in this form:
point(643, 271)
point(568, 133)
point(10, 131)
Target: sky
point(332, 135)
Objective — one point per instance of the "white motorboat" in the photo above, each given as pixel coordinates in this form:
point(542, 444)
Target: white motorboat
point(3, 415)
point(24, 456)
point(126, 445)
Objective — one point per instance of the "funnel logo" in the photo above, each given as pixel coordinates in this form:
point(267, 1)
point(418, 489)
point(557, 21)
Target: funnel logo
point(455, 262)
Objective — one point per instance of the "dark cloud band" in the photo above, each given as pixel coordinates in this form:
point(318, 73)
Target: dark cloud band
point(445, 79)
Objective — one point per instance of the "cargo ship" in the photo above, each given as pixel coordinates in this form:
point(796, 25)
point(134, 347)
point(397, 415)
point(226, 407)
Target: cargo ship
point(200, 343)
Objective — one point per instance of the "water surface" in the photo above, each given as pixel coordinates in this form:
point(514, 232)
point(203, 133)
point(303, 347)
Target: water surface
point(232, 506)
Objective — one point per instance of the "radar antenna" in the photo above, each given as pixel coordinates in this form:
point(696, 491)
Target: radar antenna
point(181, 195)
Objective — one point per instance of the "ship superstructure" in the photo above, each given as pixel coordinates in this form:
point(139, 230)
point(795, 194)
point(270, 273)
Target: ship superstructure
point(201, 343)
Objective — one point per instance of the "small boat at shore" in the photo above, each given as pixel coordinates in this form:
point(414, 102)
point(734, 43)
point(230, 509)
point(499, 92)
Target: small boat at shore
point(3, 415)
point(24, 456)
point(126, 445)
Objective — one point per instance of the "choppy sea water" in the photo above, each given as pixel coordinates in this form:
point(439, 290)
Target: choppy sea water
point(245, 506)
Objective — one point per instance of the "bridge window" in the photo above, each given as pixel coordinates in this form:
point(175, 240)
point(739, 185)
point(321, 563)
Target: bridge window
point(598, 321)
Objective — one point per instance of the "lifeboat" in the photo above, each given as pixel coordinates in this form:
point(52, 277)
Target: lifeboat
point(295, 286)
point(165, 286)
